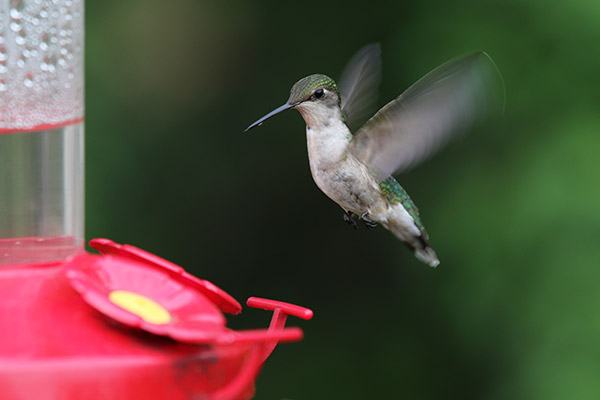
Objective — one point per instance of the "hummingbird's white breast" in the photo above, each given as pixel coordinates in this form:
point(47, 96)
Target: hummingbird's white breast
point(337, 173)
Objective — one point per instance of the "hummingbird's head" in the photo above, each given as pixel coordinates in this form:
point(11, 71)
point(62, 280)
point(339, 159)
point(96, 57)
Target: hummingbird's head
point(316, 97)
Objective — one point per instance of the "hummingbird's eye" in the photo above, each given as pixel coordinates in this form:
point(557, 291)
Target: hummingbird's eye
point(319, 93)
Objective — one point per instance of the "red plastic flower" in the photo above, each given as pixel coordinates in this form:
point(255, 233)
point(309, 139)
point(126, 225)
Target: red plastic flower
point(142, 290)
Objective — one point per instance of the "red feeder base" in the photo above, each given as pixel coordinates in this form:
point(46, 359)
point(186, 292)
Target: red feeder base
point(55, 346)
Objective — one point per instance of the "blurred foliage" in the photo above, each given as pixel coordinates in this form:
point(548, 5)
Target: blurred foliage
point(512, 210)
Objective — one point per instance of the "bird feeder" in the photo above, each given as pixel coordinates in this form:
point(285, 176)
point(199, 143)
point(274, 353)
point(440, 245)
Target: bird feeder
point(121, 324)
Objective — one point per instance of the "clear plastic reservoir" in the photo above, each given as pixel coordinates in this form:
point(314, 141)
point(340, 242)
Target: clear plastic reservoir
point(41, 130)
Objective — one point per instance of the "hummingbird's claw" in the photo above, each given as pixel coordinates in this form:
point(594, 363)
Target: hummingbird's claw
point(348, 219)
point(364, 217)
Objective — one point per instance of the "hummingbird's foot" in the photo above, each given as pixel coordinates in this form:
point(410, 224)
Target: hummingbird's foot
point(364, 217)
point(348, 219)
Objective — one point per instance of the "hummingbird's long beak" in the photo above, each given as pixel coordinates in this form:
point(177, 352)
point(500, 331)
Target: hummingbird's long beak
point(284, 107)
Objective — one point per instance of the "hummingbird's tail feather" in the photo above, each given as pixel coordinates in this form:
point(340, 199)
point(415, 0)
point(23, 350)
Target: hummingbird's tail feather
point(427, 255)
point(403, 226)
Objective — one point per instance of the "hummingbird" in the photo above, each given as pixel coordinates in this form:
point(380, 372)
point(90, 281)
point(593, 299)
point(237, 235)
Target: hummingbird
point(355, 167)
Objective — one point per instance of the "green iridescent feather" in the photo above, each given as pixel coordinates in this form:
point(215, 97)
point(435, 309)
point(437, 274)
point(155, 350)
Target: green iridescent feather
point(302, 89)
point(395, 194)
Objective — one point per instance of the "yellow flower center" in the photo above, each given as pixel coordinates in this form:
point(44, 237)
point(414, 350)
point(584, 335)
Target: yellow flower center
point(145, 308)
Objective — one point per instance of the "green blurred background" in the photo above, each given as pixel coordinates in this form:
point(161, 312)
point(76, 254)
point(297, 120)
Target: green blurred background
point(512, 312)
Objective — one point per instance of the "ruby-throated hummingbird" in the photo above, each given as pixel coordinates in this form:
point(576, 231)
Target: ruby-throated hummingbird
point(355, 169)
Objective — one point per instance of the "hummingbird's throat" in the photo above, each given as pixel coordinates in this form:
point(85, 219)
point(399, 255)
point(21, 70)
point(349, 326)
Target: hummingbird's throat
point(317, 116)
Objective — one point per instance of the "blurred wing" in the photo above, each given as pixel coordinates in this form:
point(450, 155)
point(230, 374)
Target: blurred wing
point(359, 83)
point(451, 99)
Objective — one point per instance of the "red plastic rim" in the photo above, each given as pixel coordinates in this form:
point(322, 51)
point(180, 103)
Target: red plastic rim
point(41, 127)
point(222, 299)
